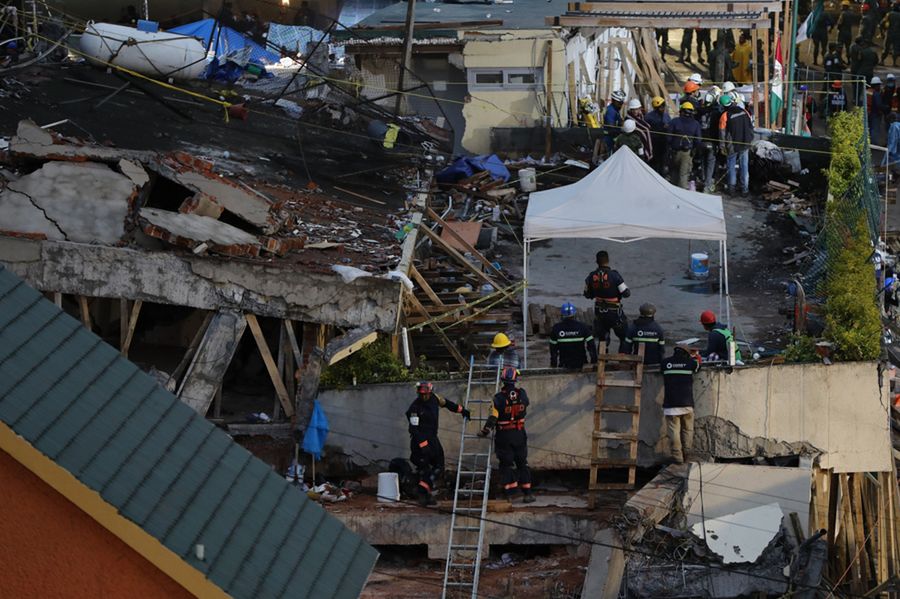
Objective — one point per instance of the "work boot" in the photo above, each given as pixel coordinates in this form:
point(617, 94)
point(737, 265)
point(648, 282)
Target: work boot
point(426, 499)
point(529, 497)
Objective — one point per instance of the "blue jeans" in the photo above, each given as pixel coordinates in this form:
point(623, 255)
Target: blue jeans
point(744, 156)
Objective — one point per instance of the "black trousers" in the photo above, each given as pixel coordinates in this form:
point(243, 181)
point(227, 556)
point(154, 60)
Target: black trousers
point(429, 463)
point(512, 450)
point(606, 320)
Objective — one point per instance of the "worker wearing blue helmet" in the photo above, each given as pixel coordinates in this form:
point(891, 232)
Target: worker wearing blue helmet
point(569, 340)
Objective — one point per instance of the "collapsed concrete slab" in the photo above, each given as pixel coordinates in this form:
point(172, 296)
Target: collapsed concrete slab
point(207, 368)
point(33, 142)
point(206, 282)
point(741, 537)
point(190, 230)
point(74, 201)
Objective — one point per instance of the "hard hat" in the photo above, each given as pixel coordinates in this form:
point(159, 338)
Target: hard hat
point(710, 97)
point(696, 78)
point(424, 388)
point(634, 104)
point(876, 80)
point(501, 341)
point(865, 8)
point(708, 317)
point(845, 2)
point(804, 88)
point(690, 87)
point(728, 86)
point(648, 310)
point(629, 126)
point(687, 106)
point(890, 77)
point(836, 84)
point(726, 100)
point(568, 310)
point(657, 101)
point(509, 374)
point(618, 95)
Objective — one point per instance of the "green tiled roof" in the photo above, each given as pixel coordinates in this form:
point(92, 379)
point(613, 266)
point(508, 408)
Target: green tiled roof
point(161, 465)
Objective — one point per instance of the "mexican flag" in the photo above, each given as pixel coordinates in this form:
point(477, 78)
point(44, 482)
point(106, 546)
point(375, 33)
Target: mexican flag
point(810, 23)
point(776, 96)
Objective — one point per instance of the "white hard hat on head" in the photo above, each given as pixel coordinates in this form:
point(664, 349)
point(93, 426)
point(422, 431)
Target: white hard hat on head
point(876, 80)
point(890, 76)
point(629, 126)
point(618, 95)
point(728, 86)
point(633, 104)
point(696, 78)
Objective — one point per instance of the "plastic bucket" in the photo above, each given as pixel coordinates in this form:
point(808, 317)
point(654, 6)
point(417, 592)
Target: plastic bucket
point(388, 487)
point(699, 266)
point(527, 179)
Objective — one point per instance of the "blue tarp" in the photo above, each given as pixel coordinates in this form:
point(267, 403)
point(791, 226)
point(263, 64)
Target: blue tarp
point(314, 439)
point(467, 166)
point(225, 40)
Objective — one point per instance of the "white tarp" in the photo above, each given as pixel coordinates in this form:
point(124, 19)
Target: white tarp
point(624, 199)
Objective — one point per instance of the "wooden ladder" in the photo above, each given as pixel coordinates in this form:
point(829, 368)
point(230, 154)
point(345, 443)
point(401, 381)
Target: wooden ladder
point(602, 436)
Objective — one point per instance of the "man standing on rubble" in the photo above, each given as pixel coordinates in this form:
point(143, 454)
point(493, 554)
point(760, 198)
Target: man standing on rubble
point(427, 454)
point(658, 119)
point(607, 288)
point(719, 339)
point(735, 135)
point(510, 442)
point(612, 119)
point(569, 339)
point(647, 332)
point(503, 352)
point(684, 137)
point(678, 400)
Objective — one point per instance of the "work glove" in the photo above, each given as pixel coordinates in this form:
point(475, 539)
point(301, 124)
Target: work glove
point(466, 414)
point(484, 432)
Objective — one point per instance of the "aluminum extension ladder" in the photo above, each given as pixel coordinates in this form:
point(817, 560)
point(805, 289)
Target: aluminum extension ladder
point(473, 483)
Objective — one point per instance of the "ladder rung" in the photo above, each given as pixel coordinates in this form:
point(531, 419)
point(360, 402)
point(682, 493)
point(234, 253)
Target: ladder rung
point(463, 547)
point(619, 358)
point(470, 491)
point(609, 486)
point(614, 408)
point(480, 400)
point(482, 472)
point(468, 509)
point(458, 584)
point(621, 436)
point(478, 455)
point(467, 436)
point(455, 565)
point(467, 528)
point(614, 383)
point(613, 462)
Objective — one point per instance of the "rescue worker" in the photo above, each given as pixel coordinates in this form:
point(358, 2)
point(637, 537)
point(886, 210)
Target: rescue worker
point(636, 113)
point(844, 26)
point(720, 63)
point(647, 332)
point(692, 91)
point(569, 339)
point(503, 352)
point(741, 58)
point(687, 38)
point(720, 337)
point(427, 454)
point(684, 137)
point(819, 35)
point(709, 130)
point(889, 93)
point(875, 109)
point(631, 138)
point(834, 64)
point(510, 441)
point(868, 24)
point(678, 401)
point(837, 100)
point(659, 119)
point(735, 135)
point(890, 29)
point(662, 38)
point(607, 288)
point(704, 39)
point(612, 118)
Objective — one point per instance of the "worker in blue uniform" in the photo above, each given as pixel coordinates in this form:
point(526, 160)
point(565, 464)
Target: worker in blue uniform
point(647, 332)
point(612, 119)
point(571, 341)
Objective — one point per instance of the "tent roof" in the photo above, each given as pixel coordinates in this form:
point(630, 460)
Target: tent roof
point(624, 199)
point(226, 40)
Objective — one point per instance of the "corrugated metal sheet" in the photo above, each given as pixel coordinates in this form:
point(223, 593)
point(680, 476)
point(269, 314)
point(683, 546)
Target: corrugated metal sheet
point(161, 465)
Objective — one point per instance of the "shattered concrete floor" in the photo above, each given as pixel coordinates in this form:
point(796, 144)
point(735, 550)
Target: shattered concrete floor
point(656, 271)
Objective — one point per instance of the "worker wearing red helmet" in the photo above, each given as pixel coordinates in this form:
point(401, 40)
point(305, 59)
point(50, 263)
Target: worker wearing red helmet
point(427, 454)
point(720, 337)
point(510, 442)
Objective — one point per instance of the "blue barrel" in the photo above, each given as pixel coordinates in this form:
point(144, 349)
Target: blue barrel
point(699, 266)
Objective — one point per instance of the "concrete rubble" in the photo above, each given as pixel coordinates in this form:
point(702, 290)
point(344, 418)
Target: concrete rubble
point(743, 536)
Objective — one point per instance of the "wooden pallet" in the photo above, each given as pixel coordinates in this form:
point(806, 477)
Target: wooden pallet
point(601, 436)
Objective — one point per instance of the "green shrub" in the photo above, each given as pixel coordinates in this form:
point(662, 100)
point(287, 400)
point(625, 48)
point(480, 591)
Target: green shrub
point(846, 130)
point(375, 363)
point(801, 348)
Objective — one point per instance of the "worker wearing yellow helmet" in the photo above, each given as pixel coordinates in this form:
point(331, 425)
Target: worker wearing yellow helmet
point(503, 352)
point(845, 22)
point(684, 138)
point(658, 119)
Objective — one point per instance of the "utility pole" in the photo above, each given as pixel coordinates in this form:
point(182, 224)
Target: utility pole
point(407, 51)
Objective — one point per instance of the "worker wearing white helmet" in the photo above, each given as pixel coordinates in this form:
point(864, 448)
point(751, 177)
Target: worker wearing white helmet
point(696, 78)
point(630, 137)
point(636, 113)
point(612, 118)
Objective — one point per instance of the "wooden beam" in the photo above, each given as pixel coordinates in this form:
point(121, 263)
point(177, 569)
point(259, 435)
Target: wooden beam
point(462, 260)
point(766, 89)
point(685, 5)
point(85, 312)
point(670, 22)
point(420, 280)
point(321, 331)
point(418, 26)
point(132, 323)
point(469, 247)
point(57, 299)
point(573, 101)
point(414, 301)
point(192, 347)
point(124, 317)
point(286, 404)
point(292, 338)
point(356, 343)
point(548, 141)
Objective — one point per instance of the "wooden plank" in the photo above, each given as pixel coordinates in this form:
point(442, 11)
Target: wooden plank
point(271, 368)
point(463, 262)
point(192, 347)
point(416, 304)
point(132, 323)
point(292, 338)
point(85, 312)
point(123, 321)
point(858, 507)
point(217, 344)
point(420, 280)
point(468, 247)
point(57, 299)
point(353, 346)
point(321, 334)
point(766, 89)
point(668, 7)
point(642, 21)
point(573, 101)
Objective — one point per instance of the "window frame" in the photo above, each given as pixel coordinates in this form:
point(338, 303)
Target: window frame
point(505, 72)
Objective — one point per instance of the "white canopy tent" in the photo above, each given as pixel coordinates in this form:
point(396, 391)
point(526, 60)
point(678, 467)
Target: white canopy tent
point(624, 200)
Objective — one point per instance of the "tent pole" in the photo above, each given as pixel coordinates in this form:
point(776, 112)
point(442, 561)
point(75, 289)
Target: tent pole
point(525, 303)
point(727, 296)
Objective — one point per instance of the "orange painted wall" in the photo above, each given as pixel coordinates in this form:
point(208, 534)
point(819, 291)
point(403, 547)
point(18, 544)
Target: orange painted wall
point(50, 549)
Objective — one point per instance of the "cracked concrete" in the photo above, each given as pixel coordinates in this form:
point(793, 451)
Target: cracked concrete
point(32, 142)
point(71, 201)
